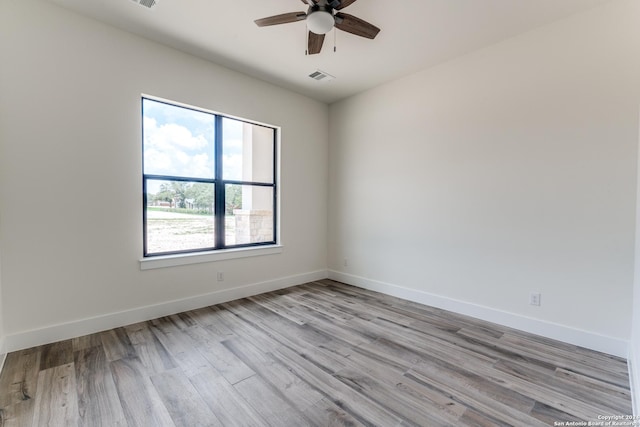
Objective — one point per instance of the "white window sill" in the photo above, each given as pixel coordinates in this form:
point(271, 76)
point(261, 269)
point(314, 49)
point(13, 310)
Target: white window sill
point(199, 257)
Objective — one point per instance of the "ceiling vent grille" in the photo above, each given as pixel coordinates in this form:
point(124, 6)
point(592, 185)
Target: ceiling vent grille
point(321, 76)
point(147, 3)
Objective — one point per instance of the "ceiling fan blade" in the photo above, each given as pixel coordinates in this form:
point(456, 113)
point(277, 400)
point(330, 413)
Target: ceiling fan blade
point(315, 43)
point(284, 18)
point(309, 2)
point(357, 26)
point(345, 3)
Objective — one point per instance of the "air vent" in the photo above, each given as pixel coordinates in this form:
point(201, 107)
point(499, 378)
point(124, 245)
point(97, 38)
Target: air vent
point(147, 3)
point(321, 76)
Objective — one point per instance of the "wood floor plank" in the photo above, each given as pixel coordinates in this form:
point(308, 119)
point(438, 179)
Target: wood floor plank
point(19, 377)
point(343, 396)
point(443, 406)
point(225, 401)
point(347, 306)
point(473, 397)
point(387, 395)
point(550, 415)
point(423, 345)
point(573, 362)
point(306, 300)
point(180, 346)
point(336, 324)
point(492, 346)
point(604, 401)
point(206, 317)
point(56, 397)
point(319, 354)
point(98, 401)
point(518, 383)
point(576, 379)
point(456, 379)
point(616, 363)
point(327, 413)
point(153, 355)
point(562, 399)
point(313, 343)
point(86, 341)
point(446, 347)
point(232, 368)
point(416, 403)
point(56, 354)
point(271, 406)
point(184, 403)
point(279, 306)
point(292, 389)
point(18, 414)
point(437, 315)
point(182, 320)
point(18, 385)
point(473, 418)
point(315, 371)
point(117, 345)
point(140, 401)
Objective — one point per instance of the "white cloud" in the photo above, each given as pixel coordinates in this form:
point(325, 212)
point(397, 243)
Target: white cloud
point(172, 149)
point(201, 165)
point(156, 160)
point(180, 136)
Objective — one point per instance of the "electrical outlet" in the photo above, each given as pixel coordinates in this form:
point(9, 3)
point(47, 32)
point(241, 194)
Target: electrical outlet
point(220, 276)
point(534, 298)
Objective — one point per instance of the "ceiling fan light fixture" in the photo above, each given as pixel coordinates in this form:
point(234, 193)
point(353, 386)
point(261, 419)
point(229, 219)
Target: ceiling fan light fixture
point(320, 22)
point(321, 17)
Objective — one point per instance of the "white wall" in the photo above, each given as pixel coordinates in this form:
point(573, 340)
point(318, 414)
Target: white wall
point(2, 345)
point(634, 344)
point(506, 171)
point(70, 173)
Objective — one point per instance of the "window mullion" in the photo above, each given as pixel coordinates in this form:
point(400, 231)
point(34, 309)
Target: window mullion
point(219, 187)
point(145, 249)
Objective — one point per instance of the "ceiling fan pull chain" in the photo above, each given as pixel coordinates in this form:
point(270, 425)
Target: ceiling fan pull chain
point(335, 36)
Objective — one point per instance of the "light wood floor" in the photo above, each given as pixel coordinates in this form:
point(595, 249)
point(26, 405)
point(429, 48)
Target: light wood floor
point(321, 354)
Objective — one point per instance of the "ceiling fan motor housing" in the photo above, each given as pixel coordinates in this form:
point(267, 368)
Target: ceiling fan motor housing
point(320, 19)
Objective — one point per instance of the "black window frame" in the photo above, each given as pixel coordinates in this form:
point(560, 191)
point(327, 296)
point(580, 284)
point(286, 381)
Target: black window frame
point(218, 182)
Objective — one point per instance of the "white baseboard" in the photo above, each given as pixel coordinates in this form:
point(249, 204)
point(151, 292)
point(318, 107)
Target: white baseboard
point(615, 346)
point(3, 354)
point(610, 345)
point(91, 325)
point(634, 379)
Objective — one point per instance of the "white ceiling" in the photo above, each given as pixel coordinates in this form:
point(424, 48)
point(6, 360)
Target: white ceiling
point(416, 34)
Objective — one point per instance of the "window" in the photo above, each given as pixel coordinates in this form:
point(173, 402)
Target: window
point(209, 181)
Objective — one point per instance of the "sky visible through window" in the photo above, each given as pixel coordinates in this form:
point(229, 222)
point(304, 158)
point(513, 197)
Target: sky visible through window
point(180, 142)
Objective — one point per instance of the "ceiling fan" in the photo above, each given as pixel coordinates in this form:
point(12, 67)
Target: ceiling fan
point(321, 17)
